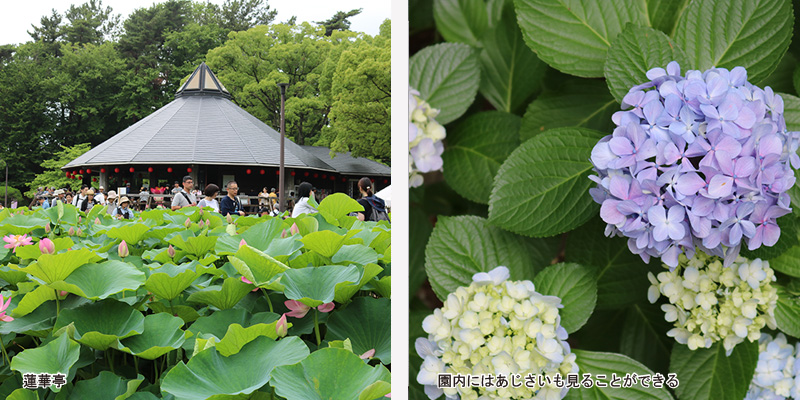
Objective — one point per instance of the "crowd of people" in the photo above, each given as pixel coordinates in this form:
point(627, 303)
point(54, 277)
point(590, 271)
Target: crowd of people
point(184, 194)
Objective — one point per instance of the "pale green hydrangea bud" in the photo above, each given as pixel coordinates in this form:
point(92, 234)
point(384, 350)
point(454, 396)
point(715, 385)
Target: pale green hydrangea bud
point(709, 303)
point(495, 326)
point(425, 137)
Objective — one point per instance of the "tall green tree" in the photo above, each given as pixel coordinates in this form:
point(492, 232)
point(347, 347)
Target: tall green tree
point(89, 23)
point(339, 21)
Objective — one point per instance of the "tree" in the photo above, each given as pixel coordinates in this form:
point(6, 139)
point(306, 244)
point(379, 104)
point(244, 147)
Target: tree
point(361, 91)
point(339, 21)
point(89, 23)
point(52, 175)
point(234, 15)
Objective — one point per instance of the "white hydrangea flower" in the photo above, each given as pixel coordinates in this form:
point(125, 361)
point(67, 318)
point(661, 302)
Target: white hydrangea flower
point(709, 303)
point(495, 326)
point(776, 375)
point(425, 137)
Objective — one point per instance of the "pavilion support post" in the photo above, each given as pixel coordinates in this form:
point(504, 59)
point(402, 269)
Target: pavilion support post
point(281, 179)
point(195, 174)
point(104, 180)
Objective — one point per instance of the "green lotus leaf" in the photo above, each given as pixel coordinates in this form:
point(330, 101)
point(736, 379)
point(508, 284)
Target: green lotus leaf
point(383, 286)
point(314, 286)
point(99, 325)
point(98, 281)
point(367, 324)
point(344, 291)
point(309, 259)
point(32, 300)
point(41, 319)
point(58, 356)
point(131, 233)
point(330, 374)
point(237, 336)
point(355, 254)
point(366, 234)
point(244, 372)
point(12, 276)
point(57, 267)
point(161, 232)
point(22, 224)
point(262, 234)
point(162, 334)
point(223, 297)
point(197, 246)
point(326, 243)
point(338, 205)
point(109, 385)
point(306, 224)
point(23, 394)
point(33, 252)
point(256, 266)
point(170, 280)
point(186, 313)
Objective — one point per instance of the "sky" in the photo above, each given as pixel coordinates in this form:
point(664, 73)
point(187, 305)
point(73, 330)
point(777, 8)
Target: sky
point(17, 17)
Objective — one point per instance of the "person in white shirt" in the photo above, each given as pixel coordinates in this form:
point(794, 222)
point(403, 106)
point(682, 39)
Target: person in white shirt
point(81, 196)
point(304, 192)
point(184, 198)
point(99, 197)
point(210, 200)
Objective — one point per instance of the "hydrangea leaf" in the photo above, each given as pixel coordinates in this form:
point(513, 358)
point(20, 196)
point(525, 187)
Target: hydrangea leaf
point(782, 78)
point(644, 336)
point(462, 21)
point(99, 325)
point(107, 383)
point(510, 72)
point(199, 379)
point(635, 51)
point(447, 76)
point(315, 286)
point(99, 281)
point(420, 229)
point(710, 374)
point(727, 34)
point(573, 36)
point(223, 297)
point(788, 262)
point(597, 363)
point(542, 189)
point(329, 374)
point(791, 111)
point(58, 356)
point(475, 150)
point(170, 280)
point(162, 334)
point(576, 102)
point(613, 262)
point(664, 14)
point(577, 288)
point(462, 246)
point(367, 324)
point(787, 312)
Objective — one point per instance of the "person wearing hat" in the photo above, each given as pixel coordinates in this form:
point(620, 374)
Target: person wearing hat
point(100, 197)
point(273, 198)
point(123, 211)
point(88, 202)
point(111, 202)
point(59, 193)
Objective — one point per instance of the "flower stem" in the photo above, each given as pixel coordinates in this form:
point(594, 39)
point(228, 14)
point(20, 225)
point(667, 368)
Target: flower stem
point(269, 302)
point(316, 326)
point(5, 354)
point(58, 306)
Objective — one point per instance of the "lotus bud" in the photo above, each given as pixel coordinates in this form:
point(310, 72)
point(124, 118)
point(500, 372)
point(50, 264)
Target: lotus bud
point(242, 243)
point(97, 221)
point(368, 354)
point(79, 219)
point(201, 211)
point(47, 228)
point(171, 251)
point(229, 219)
point(283, 234)
point(201, 224)
point(46, 246)
point(123, 249)
point(188, 222)
point(327, 307)
point(295, 230)
point(208, 223)
point(62, 293)
point(80, 232)
point(71, 231)
point(281, 328)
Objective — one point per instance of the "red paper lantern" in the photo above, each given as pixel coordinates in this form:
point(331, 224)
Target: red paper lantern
point(88, 171)
point(189, 169)
point(333, 178)
point(278, 172)
point(80, 171)
point(306, 173)
point(94, 179)
point(149, 169)
point(102, 170)
point(249, 171)
point(67, 173)
point(324, 176)
point(291, 173)
point(262, 172)
point(169, 169)
point(344, 179)
point(116, 170)
point(385, 181)
point(316, 175)
point(131, 169)
point(372, 180)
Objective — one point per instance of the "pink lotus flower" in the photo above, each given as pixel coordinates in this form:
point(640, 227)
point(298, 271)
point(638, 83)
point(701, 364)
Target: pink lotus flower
point(245, 280)
point(242, 243)
point(79, 219)
point(3, 307)
point(299, 310)
point(294, 229)
point(368, 354)
point(47, 228)
point(80, 232)
point(201, 224)
point(171, 251)
point(281, 328)
point(123, 249)
point(71, 231)
point(187, 223)
point(201, 211)
point(46, 246)
point(15, 241)
point(63, 293)
point(97, 221)
point(208, 223)
point(327, 307)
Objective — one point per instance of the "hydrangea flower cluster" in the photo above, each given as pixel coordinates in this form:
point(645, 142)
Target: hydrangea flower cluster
point(425, 137)
point(701, 161)
point(495, 326)
point(777, 373)
point(710, 303)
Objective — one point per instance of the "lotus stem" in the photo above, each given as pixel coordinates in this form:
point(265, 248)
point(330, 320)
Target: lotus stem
point(316, 326)
point(5, 353)
point(58, 306)
point(269, 302)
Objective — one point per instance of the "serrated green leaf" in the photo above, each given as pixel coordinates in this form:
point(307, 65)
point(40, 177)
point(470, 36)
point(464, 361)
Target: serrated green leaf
point(475, 150)
point(644, 336)
point(787, 313)
point(462, 21)
point(447, 76)
point(596, 363)
point(460, 247)
point(635, 51)
point(542, 189)
point(788, 262)
point(754, 34)
point(710, 374)
point(664, 14)
point(510, 72)
point(420, 229)
point(791, 111)
point(575, 286)
point(577, 102)
point(782, 78)
point(573, 36)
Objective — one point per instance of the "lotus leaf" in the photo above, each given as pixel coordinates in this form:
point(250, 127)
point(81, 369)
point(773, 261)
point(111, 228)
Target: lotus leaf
point(22, 224)
point(197, 246)
point(33, 252)
point(57, 267)
point(130, 233)
point(106, 386)
point(99, 325)
point(314, 286)
point(338, 205)
point(162, 334)
point(58, 356)
point(169, 281)
point(367, 324)
point(355, 254)
point(222, 297)
point(256, 266)
point(344, 291)
point(98, 281)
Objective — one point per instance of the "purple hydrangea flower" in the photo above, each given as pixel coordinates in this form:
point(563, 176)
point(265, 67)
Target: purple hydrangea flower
point(697, 162)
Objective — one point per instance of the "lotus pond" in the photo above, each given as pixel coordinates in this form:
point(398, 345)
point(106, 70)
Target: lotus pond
point(189, 304)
